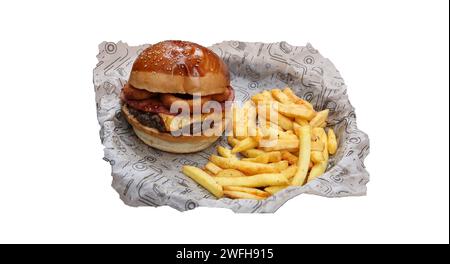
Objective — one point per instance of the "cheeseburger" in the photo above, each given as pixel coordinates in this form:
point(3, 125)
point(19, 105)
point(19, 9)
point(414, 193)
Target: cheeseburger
point(166, 77)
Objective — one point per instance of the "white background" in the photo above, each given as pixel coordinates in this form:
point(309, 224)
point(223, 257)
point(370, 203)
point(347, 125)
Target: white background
point(55, 187)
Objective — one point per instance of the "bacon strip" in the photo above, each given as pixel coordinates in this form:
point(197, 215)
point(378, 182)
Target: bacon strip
point(132, 93)
point(149, 105)
point(153, 104)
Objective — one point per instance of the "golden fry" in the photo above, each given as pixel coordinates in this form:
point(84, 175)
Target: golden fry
point(304, 156)
point(274, 189)
point(247, 167)
point(280, 96)
point(242, 195)
point(245, 144)
point(256, 98)
point(301, 121)
point(323, 136)
point(213, 168)
point(294, 98)
point(274, 156)
point(225, 152)
point(319, 168)
point(332, 142)
point(204, 179)
point(252, 153)
point(232, 141)
point(296, 128)
point(280, 165)
point(320, 117)
point(290, 171)
point(230, 173)
point(282, 144)
point(251, 118)
point(287, 135)
point(240, 122)
point(249, 190)
point(267, 95)
point(317, 156)
point(286, 155)
point(284, 122)
point(259, 180)
point(295, 111)
point(317, 145)
point(267, 111)
point(263, 158)
point(266, 133)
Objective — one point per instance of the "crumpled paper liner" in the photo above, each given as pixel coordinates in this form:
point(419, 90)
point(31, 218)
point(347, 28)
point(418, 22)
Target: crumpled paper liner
point(146, 176)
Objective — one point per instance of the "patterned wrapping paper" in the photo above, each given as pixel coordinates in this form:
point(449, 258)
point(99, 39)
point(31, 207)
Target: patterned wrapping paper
point(144, 176)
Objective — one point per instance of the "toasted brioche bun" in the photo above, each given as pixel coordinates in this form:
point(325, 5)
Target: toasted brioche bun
point(179, 67)
point(165, 141)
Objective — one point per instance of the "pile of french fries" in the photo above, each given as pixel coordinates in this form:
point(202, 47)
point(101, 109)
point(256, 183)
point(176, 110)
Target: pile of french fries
point(285, 146)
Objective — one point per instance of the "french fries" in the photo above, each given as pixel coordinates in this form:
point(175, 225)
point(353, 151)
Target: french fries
point(257, 98)
point(317, 156)
point(245, 144)
point(213, 168)
point(258, 180)
point(291, 158)
point(301, 121)
point(249, 190)
point(274, 189)
point(230, 173)
point(284, 122)
point(281, 97)
point(225, 152)
point(204, 179)
point(242, 195)
point(252, 153)
point(268, 95)
point(294, 98)
point(320, 167)
point(280, 165)
point(263, 158)
point(317, 170)
point(296, 111)
point(320, 118)
point(275, 117)
point(332, 142)
point(240, 122)
point(289, 172)
point(251, 119)
point(247, 167)
point(316, 145)
point(263, 97)
point(283, 144)
point(288, 135)
point(304, 156)
point(296, 128)
point(278, 141)
point(232, 141)
point(274, 156)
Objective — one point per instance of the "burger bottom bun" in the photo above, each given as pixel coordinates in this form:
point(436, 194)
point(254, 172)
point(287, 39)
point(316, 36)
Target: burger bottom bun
point(154, 140)
point(165, 141)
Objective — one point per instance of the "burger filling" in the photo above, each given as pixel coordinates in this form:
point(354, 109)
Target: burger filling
point(153, 109)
